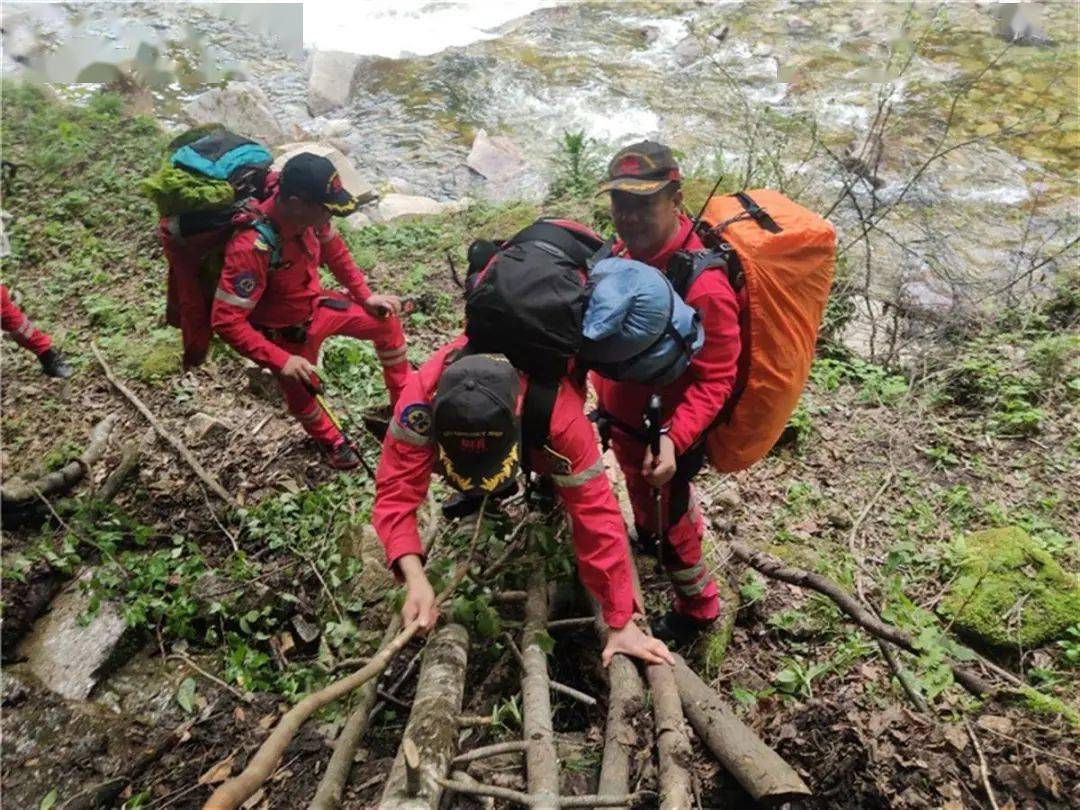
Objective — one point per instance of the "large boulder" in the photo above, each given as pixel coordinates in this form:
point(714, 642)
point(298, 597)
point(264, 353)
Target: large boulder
point(330, 82)
point(68, 652)
point(496, 158)
point(406, 206)
point(239, 106)
point(350, 177)
point(1010, 592)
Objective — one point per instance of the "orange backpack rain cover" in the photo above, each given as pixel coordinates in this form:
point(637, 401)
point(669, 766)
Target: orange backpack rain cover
point(788, 269)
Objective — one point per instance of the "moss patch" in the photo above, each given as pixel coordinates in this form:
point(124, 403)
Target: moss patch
point(1010, 592)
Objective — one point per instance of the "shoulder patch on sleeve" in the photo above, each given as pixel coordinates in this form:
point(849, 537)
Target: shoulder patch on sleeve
point(417, 418)
point(245, 283)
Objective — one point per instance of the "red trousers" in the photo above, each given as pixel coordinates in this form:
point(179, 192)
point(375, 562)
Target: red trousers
point(20, 327)
point(354, 322)
point(679, 548)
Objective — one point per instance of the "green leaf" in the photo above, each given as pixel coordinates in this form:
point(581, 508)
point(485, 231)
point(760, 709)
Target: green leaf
point(49, 801)
point(185, 695)
point(544, 642)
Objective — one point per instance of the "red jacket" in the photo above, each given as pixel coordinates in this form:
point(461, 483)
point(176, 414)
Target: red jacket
point(251, 294)
point(571, 458)
point(692, 402)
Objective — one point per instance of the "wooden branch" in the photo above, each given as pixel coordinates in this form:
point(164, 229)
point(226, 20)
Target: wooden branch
point(672, 742)
point(494, 750)
point(469, 720)
point(461, 777)
point(239, 789)
point(626, 703)
point(508, 598)
point(474, 788)
point(165, 433)
point(554, 686)
point(983, 771)
point(541, 761)
point(432, 730)
point(130, 458)
point(332, 785)
point(763, 774)
point(20, 494)
point(776, 569)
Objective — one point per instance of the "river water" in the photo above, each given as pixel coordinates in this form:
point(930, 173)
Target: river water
point(774, 92)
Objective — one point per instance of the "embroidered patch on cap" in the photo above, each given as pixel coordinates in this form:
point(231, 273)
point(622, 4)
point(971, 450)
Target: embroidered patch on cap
point(245, 284)
point(417, 418)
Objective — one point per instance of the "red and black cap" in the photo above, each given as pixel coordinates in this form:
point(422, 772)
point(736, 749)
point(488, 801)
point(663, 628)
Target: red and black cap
point(642, 168)
point(315, 179)
point(475, 422)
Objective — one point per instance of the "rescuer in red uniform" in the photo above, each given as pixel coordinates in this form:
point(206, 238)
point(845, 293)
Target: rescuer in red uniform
point(462, 413)
point(16, 324)
point(271, 307)
point(646, 200)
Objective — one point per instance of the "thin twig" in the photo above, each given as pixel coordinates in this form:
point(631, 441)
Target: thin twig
point(525, 799)
point(325, 587)
point(187, 661)
point(512, 747)
point(982, 766)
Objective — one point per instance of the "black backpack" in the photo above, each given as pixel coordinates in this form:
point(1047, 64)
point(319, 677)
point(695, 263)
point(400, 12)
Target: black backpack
point(528, 300)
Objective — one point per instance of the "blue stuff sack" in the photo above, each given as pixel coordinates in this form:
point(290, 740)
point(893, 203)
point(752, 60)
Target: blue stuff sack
point(636, 327)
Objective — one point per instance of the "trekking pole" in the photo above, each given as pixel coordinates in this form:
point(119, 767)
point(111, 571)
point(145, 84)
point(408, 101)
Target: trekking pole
point(701, 212)
point(319, 394)
point(653, 430)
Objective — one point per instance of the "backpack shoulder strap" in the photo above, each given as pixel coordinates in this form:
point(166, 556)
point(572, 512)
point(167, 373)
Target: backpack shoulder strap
point(687, 266)
point(557, 237)
point(269, 234)
point(536, 412)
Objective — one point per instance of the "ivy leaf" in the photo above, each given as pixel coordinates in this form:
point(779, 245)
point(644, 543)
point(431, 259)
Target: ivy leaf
point(49, 801)
point(185, 695)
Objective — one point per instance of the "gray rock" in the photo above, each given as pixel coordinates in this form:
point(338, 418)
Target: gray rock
point(495, 158)
point(68, 656)
point(330, 82)
point(202, 426)
point(404, 206)
point(240, 106)
point(798, 24)
point(926, 299)
point(324, 129)
point(688, 50)
point(358, 220)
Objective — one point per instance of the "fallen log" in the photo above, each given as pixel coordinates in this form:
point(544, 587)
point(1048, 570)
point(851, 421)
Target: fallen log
point(672, 743)
point(541, 761)
point(240, 788)
point(130, 458)
point(626, 704)
point(432, 726)
point(165, 433)
point(332, 785)
point(777, 569)
point(763, 774)
point(19, 495)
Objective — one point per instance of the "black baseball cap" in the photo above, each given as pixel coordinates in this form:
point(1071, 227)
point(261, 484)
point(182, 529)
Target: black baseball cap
point(641, 168)
point(315, 179)
point(475, 422)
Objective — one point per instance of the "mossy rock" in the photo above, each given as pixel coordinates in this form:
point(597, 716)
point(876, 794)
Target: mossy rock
point(1010, 592)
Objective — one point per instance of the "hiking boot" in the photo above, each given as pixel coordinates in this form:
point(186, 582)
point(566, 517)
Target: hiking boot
point(643, 542)
point(54, 365)
point(342, 456)
point(678, 630)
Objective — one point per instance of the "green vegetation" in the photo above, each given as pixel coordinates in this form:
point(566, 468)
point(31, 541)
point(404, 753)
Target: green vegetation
point(1010, 592)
